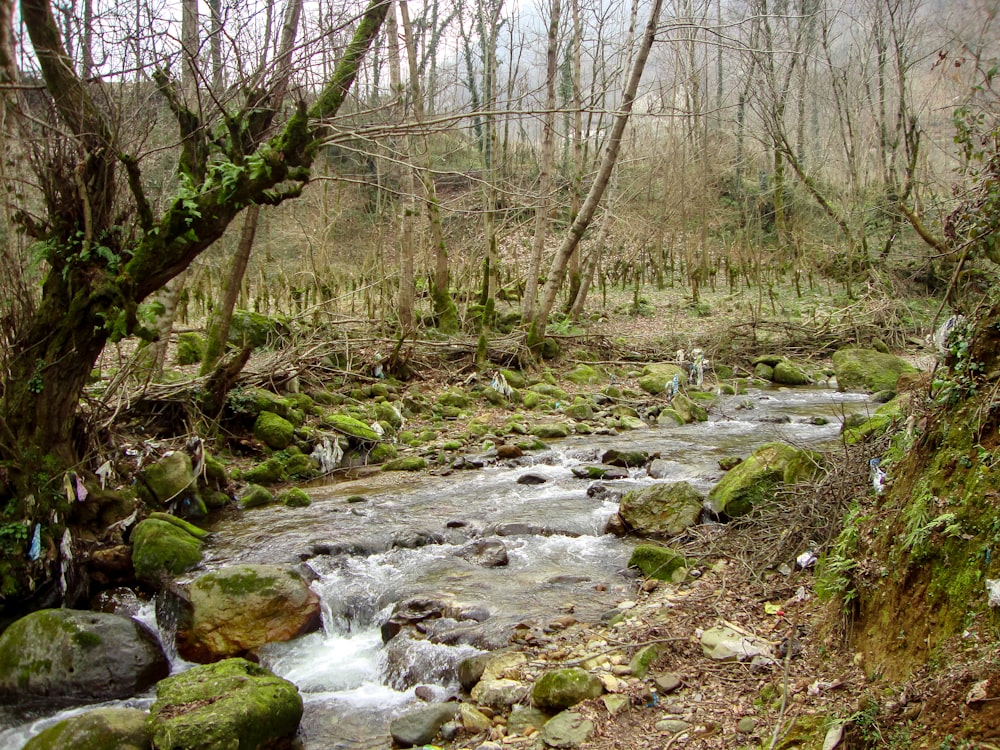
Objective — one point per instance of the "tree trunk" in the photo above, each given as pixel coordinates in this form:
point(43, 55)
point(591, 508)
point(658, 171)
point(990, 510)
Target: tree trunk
point(536, 332)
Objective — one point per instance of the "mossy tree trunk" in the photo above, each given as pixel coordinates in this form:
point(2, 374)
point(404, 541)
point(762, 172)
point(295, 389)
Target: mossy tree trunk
point(104, 258)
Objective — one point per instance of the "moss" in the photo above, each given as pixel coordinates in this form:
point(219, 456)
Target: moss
point(408, 463)
point(98, 729)
point(352, 427)
point(180, 523)
point(867, 369)
point(254, 496)
point(297, 465)
point(294, 498)
point(758, 477)
point(233, 703)
point(640, 663)
point(271, 471)
point(86, 639)
point(161, 548)
point(661, 563)
point(558, 689)
point(550, 430)
point(190, 348)
point(454, 398)
point(586, 375)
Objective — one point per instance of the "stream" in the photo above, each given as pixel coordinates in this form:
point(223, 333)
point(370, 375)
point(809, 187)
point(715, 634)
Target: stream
point(374, 544)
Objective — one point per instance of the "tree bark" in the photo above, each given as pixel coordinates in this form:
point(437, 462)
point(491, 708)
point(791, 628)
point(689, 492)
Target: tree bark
point(536, 332)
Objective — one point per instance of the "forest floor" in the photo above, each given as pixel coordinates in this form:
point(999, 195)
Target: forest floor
point(817, 690)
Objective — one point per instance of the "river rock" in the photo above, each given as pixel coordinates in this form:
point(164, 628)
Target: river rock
point(664, 508)
point(759, 477)
point(868, 370)
point(230, 612)
point(723, 643)
point(169, 479)
point(661, 563)
point(233, 703)
point(532, 478)
point(470, 670)
point(473, 720)
point(499, 693)
point(656, 376)
point(599, 471)
point(411, 612)
point(688, 409)
point(118, 728)
point(567, 729)
point(524, 718)
point(274, 431)
point(788, 373)
point(420, 725)
point(559, 689)
point(625, 458)
point(489, 553)
point(549, 430)
point(65, 655)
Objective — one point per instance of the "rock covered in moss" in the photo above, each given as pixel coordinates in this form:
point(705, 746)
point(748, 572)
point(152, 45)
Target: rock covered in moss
point(230, 612)
point(353, 428)
point(231, 704)
point(655, 377)
point(550, 430)
point(558, 689)
point(255, 496)
point(190, 348)
point(661, 563)
point(59, 655)
point(406, 463)
point(758, 477)
point(294, 498)
point(661, 509)
point(274, 431)
point(624, 457)
point(100, 729)
point(586, 375)
point(270, 471)
point(868, 370)
point(170, 478)
point(162, 549)
point(249, 328)
point(688, 410)
point(788, 373)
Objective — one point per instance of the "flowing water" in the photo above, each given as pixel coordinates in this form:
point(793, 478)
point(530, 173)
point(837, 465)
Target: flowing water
point(372, 546)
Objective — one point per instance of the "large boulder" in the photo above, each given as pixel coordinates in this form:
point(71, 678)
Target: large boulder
point(162, 549)
point(231, 704)
point(868, 370)
point(558, 689)
point(273, 430)
point(759, 477)
point(71, 656)
point(788, 373)
point(230, 612)
point(688, 410)
point(118, 728)
point(664, 508)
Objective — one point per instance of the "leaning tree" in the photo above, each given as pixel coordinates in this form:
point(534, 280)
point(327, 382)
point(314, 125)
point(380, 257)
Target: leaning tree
point(106, 245)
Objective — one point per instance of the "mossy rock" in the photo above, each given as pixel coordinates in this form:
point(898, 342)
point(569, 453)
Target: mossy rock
point(580, 411)
point(255, 496)
point(383, 452)
point(215, 476)
point(99, 729)
point(788, 373)
point(406, 463)
point(271, 471)
point(170, 478)
point(230, 704)
point(550, 349)
point(455, 398)
point(640, 663)
point(558, 689)
point(625, 458)
point(264, 400)
point(586, 375)
point(550, 430)
point(550, 391)
point(535, 444)
point(249, 328)
point(666, 508)
point(688, 409)
point(161, 549)
point(868, 370)
point(669, 418)
point(274, 431)
point(514, 378)
point(655, 377)
point(297, 465)
point(190, 348)
point(660, 563)
point(763, 371)
point(303, 403)
point(180, 523)
point(767, 359)
point(877, 424)
point(294, 498)
point(389, 414)
point(353, 428)
point(759, 477)
point(532, 400)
